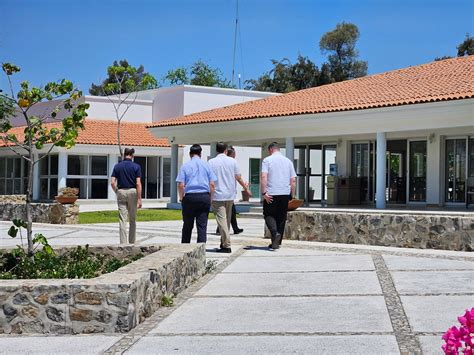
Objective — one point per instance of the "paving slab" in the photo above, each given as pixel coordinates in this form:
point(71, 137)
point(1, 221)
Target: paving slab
point(435, 313)
point(293, 284)
point(87, 344)
point(302, 263)
point(424, 282)
point(265, 252)
point(278, 314)
point(360, 344)
point(431, 344)
point(413, 263)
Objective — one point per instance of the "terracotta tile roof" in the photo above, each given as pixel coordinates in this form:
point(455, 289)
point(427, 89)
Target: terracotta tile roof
point(104, 132)
point(450, 79)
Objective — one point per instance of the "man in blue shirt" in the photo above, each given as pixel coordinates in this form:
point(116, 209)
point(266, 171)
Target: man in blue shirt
point(126, 182)
point(195, 186)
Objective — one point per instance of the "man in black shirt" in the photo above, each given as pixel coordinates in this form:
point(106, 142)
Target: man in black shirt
point(126, 182)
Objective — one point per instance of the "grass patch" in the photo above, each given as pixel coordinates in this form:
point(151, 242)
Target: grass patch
point(142, 216)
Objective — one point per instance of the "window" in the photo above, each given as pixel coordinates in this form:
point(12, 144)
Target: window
point(89, 174)
point(48, 170)
point(456, 169)
point(362, 164)
point(471, 157)
point(417, 181)
point(150, 176)
point(13, 176)
point(166, 176)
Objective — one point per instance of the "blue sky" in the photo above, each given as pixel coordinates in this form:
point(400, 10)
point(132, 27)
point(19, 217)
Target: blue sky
point(51, 39)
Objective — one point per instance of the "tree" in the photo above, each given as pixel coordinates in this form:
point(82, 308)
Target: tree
point(130, 79)
point(200, 73)
point(36, 134)
point(121, 88)
point(342, 55)
point(286, 76)
point(466, 47)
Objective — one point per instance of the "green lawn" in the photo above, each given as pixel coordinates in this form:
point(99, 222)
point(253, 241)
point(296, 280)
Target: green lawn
point(142, 216)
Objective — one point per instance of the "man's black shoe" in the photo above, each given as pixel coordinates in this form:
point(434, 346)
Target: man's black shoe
point(224, 250)
point(238, 231)
point(276, 241)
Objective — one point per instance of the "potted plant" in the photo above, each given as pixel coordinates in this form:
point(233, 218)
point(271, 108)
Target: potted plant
point(67, 195)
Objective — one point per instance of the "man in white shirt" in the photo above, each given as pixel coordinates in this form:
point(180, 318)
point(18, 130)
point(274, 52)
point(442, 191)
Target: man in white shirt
point(227, 172)
point(278, 184)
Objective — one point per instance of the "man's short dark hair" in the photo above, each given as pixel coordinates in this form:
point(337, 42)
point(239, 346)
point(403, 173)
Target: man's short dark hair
point(221, 147)
point(273, 145)
point(128, 152)
point(230, 151)
point(195, 149)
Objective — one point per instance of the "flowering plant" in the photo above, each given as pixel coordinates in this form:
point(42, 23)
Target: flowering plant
point(455, 337)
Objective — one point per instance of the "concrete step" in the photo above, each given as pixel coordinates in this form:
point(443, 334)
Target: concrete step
point(255, 215)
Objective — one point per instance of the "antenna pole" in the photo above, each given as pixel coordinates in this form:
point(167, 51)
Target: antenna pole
point(235, 40)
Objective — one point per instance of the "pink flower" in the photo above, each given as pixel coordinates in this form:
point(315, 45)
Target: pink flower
point(455, 337)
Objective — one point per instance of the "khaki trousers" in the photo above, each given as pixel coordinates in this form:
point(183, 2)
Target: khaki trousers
point(223, 212)
point(127, 205)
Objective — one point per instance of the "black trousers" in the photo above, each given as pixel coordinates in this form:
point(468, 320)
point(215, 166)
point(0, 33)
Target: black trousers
point(195, 207)
point(275, 214)
point(233, 221)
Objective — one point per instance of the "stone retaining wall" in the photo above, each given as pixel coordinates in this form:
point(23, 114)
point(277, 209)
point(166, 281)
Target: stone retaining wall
point(395, 229)
point(13, 198)
point(111, 303)
point(54, 213)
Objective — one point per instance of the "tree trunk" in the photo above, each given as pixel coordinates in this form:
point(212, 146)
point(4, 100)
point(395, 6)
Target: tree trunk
point(118, 140)
point(29, 198)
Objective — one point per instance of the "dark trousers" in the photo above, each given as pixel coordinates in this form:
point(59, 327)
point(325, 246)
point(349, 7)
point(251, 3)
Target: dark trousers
point(233, 220)
point(195, 206)
point(275, 214)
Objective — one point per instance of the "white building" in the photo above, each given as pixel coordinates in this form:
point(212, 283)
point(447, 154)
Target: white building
point(405, 136)
point(89, 163)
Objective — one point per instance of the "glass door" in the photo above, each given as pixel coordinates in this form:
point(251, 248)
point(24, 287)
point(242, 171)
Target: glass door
point(396, 171)
point(329, 158)
point(417, 172)
point(254, 179)
point(314, 162)
point(456, 170)
point(312, 168)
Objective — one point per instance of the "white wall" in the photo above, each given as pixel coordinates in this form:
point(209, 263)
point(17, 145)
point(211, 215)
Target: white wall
point(102, 109)
point(186, 99)
point(168, 104)
point(203, 100)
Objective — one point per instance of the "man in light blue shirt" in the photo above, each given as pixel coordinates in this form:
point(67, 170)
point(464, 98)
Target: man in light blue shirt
point(227, 172)
point(195, 186)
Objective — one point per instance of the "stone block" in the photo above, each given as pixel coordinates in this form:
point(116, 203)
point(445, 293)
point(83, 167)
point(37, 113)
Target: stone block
point(92, 298)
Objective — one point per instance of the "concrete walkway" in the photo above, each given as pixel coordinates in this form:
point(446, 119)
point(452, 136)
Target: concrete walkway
point(314, 298)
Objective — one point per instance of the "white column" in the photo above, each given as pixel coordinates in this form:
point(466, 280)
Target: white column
point(290, 148)
point(113, 159)
point(381, 169)
point(434, 168)
point(213, 152)
point(62, 169)
point(174, 174)
point(36, 180)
